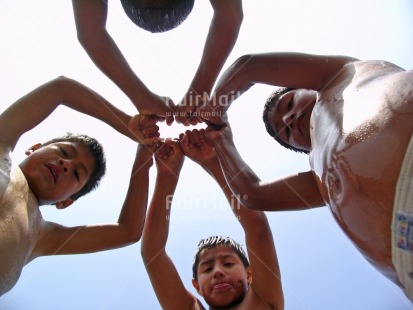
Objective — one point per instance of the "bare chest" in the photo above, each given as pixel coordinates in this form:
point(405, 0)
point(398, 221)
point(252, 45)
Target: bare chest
point(19, 227)
point(360, 131)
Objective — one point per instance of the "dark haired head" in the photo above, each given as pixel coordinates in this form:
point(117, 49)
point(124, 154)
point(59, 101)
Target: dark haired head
point(271, 101)
point(213, 242)
point(158, 19)
point(96, 150)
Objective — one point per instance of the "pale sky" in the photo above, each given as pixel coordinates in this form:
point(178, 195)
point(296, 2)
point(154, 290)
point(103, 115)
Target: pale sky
point(320, 267)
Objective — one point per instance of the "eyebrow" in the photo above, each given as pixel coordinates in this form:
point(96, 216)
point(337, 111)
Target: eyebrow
point(210, 260)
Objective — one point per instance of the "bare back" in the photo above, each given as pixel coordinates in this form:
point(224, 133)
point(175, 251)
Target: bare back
point(19, 223)
point(360, 129)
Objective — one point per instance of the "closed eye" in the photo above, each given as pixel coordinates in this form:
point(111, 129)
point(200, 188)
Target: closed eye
point(207, 270)
point(287, 132)
point(63, 151)
point(76, 175)
point(290, 104)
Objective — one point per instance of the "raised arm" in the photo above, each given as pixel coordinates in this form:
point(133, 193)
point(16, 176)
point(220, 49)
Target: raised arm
point(164, 277)
point(222, 36)
point(293, 70)
point(90, 18)
point(295, 192)
point(266, 277)
point(57, 239)
point(41, 102)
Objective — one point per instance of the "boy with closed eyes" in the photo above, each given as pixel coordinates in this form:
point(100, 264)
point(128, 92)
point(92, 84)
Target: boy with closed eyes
point(354, 119)
point(59, 172)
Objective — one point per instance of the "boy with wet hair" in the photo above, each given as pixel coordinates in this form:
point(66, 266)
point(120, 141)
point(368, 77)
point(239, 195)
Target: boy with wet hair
point(354, 118)
point(60, 171)
point(158, 16)
point(216, 241)
point(222, 274)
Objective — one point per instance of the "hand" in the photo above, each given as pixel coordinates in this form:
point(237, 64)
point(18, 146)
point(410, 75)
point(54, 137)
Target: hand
point(162, 107)
point(214, 135)
point(144, 129)
point(186, 110)
point(195, 147)
point(169, 157)
point(212, 114)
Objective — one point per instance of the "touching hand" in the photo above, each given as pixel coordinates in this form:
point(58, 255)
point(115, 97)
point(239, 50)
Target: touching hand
point(186, 110)
point(144, 129)
point(214, 134)
point(169, 157)
point(162, 107)
point(195, 147)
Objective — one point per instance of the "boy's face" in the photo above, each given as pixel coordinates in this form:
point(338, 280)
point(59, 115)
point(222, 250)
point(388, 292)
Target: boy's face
point(290, 117)
point(56, 171)
point(222, 278)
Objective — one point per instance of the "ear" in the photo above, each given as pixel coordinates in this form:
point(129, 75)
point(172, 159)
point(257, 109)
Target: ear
point(249, 275)
point(196, 286)
point(64, 204)
point(33, 148)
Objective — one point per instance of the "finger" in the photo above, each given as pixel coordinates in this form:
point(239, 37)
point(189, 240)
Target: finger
point(151, 132)
point(191, 139)
point(196, 138)
point(169, 118)
point(133, 123)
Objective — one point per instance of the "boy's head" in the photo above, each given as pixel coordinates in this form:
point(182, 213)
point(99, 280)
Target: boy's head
point(286, 116)
point(221, 272)
point(158, 15)
point(65, 168)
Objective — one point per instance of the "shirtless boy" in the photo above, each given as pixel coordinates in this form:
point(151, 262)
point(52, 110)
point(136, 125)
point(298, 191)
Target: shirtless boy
point(222, 274)
point(354, 118)
point(59, 172)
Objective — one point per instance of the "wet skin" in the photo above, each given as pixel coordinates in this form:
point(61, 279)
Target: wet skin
point(222, 278)
point(359, 130)
point(50, 174)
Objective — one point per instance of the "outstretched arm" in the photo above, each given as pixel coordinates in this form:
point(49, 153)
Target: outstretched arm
point(164, 277)
point(222, 36)
point(266, 277)
point(33, 108)
point(295, 192)
point(293, 70)
point(90, 18)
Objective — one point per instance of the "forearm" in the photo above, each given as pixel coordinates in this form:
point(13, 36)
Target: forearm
point(222, 36)
point(240, 178)
point(132, 216)
point(90, 18)
point(156, 228)
point(41, 102)
point(82, 99)
point(293, 70)
point(106, 55)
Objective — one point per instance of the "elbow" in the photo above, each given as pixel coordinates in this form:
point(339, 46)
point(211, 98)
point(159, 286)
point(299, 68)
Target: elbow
point(84, 39)
point(133, 237)
point(252, 199)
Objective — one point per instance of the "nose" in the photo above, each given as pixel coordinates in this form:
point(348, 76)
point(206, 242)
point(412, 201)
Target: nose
point(218, 272)
point(288, 118)
point(66, 164)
